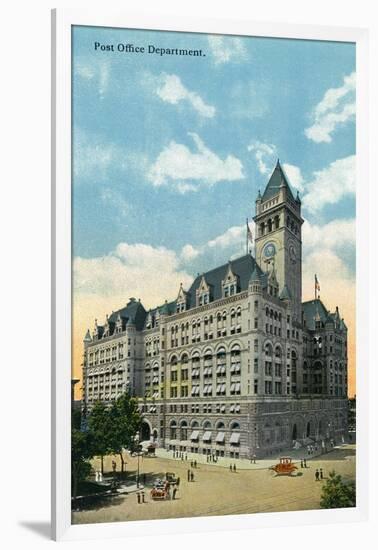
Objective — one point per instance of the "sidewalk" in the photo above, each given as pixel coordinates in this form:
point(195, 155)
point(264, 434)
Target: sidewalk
point(245, 464)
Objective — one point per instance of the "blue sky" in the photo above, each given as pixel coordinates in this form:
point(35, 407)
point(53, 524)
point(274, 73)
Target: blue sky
point(170, 151)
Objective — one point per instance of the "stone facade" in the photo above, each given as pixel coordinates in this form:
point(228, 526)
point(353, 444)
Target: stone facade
point(237, 365)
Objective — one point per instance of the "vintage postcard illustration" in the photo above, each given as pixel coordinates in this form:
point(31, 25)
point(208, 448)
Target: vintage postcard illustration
point(213, 274)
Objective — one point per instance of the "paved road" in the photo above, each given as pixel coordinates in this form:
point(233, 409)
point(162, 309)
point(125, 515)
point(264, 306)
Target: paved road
point(217, 491)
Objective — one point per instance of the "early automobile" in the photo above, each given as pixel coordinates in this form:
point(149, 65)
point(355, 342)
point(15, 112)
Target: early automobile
point(285, 466)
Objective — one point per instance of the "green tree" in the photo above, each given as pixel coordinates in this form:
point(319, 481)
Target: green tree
point(100, 430)
point(337, 493)
point(125, 422)
point(81, 453)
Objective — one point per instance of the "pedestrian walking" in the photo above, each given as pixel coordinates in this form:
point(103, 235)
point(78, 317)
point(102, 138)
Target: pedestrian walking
point(234, 467)
point(317, 475)
point(191, 476)
point(191, 463)
point(321, 473)
point(174, 493)
point(186, 457)
point(188, 475)
point(143, 497)
point(138, 497)
point(182, 457)
point(230, 468)
point(305, 463)
point(195, 464)
point(114, 465)
point(254, 459)
point(301, 463)
point(178, 482)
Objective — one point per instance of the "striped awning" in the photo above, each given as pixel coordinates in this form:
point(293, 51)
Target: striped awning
point(194, 435)
point(235, 438)
point(206, 436)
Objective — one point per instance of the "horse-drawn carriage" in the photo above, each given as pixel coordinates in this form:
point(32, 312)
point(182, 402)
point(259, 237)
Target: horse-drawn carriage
point(171, 478)
point(284, 467)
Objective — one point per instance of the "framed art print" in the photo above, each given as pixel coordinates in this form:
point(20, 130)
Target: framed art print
point(209, 179)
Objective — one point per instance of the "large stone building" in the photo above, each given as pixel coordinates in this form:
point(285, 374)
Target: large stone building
point(237, 365)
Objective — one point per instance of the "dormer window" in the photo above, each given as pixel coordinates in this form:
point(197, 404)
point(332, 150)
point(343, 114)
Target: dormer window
point(181, 301)
point(203, 293)
point(230, 283)
point(149, 320)
point(119, 323)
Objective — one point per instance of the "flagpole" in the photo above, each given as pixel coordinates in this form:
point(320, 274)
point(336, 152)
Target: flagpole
point(246, 240)
point(315, 285)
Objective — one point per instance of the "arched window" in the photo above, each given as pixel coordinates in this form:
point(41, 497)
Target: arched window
point(173, 429)
point(268, 349)
point(184, 430)
point(221, 356)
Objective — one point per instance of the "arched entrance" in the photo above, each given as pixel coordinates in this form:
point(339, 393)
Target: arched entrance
point(295, 432)
point(145, 431)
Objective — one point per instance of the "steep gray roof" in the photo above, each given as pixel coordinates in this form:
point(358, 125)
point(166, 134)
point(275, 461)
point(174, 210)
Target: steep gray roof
point(243, 267)
point(134, 312)
point(285, 293)
point(256, 275)
point(313, 309)
point(277, 179)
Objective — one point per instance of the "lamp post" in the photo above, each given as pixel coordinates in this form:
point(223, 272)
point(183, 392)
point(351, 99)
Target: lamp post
point(136, 439)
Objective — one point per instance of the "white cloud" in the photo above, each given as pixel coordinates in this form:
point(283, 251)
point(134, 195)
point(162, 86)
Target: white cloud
point(227, 48)
point(265, 154)
point(295, 177)
point(128, 271)
point(331, 184)
point(179, 166)
point(336, 235)
point(189, 253)
point(171, 89)
point(337, 107)
point(230, 243)
point(232, 236)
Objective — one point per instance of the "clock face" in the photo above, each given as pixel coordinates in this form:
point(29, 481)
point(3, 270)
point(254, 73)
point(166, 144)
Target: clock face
point(269, 250)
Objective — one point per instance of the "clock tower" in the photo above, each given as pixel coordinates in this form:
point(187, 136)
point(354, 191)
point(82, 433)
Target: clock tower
point(278, 237)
